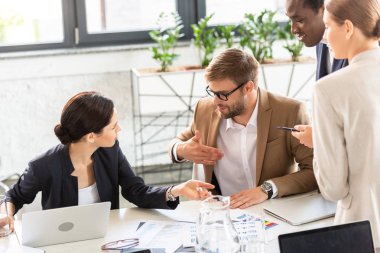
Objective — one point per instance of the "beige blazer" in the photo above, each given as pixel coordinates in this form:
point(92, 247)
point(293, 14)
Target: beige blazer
point(277, 151)
point(346, 138)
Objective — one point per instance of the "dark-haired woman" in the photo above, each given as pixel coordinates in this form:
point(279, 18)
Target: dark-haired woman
point(89, 166)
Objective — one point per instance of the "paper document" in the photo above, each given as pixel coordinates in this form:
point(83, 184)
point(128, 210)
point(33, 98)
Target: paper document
point(157, 234)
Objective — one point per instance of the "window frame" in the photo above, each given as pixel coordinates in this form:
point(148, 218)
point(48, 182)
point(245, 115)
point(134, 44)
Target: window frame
point(77, 36)
point(68, 16)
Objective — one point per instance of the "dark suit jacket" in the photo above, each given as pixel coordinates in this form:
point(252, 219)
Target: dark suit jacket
point(51, 174)
point(279, 157)
point(322, 50)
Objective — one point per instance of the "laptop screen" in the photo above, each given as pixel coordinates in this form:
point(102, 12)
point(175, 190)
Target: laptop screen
point(353, 237)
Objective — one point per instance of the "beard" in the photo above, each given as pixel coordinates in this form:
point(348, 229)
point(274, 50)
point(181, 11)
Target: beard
point(233, 110)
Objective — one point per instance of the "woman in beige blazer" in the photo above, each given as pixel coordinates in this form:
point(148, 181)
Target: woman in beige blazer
point(346, 117)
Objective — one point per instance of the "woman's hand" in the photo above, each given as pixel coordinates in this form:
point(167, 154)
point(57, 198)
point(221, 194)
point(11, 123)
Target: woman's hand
point(304, 135)
point(7, 221)
point(193, 190)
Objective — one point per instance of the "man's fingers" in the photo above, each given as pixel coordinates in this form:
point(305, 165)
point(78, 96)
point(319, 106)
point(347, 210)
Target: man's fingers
point(210, 153)
point(300, 127)
point(197, 136)
point(296, 134)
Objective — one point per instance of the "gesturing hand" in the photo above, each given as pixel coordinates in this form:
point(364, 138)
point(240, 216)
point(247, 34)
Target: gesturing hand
point(304, 135)
point(247, 198)
point(196, 152)
point(7, 221)
point(193, 189)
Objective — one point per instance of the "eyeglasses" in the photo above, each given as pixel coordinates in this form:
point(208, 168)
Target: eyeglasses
point(222, 96)
point(121, 244)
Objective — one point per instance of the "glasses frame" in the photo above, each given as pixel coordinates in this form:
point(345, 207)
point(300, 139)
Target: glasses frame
point(127, 244)
point(223, 96)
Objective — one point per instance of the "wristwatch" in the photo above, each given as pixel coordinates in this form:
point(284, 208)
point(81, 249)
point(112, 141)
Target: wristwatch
point(266, 187)
point(170, 195)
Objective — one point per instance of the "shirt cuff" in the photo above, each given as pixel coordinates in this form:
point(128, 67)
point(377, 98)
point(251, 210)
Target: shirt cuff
point(175, 156)
point(274, 189)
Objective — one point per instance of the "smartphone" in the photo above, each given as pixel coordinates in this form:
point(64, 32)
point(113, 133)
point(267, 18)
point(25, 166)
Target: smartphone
point(287, 128)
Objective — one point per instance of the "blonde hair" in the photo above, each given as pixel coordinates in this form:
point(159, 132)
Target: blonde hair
point(364, 14)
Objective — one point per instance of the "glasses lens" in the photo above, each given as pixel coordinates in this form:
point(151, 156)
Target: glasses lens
point(213, 94)
point(122, 244)
point(222, 97)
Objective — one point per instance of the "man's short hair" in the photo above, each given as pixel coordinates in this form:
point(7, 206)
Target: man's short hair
point(314, 4)
point(233, 64)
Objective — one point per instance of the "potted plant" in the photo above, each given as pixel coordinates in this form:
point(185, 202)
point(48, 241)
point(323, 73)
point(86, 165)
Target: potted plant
point(205, 39)
point(293, 46)
point(258, 34)
point(166, 37)
point(227, 32)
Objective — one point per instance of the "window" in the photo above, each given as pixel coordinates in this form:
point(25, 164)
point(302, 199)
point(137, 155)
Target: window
point(119, 21)
point(24, 22)
point(232, 11)
point(125, 15)
point(46, 24)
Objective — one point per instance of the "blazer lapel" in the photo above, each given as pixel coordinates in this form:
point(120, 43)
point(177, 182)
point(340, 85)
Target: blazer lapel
point(263, 125)
point(321, 60)
point(338, 64)
point(212, 135)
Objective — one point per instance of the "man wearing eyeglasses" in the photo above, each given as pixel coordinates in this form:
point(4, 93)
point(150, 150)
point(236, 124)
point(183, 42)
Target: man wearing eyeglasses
point(234, 135)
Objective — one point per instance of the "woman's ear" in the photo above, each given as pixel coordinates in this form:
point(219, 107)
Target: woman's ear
point(90, 137)
point(349, 28)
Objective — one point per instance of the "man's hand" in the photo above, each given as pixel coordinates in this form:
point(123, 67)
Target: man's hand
point(248, 198)
point(193, 190)
point(304, 135)
point(193, 151)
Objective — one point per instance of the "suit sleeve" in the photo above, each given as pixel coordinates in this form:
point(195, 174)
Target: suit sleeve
point(185, 135)
point(134, 189)
point(25, 189)
point(331, 161)
point(303, 180)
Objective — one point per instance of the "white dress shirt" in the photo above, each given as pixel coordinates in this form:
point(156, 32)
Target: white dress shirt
point(236, 171)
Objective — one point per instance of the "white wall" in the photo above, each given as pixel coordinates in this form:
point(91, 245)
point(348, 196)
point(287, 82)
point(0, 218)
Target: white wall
point(35, 87)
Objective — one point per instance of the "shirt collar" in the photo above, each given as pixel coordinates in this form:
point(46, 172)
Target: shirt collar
point(251, 122)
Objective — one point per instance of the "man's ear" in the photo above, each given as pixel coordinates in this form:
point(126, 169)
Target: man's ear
point(321, 10)
point(250, 85)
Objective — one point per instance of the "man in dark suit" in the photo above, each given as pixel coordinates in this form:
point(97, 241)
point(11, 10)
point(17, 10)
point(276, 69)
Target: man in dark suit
point(307, 24)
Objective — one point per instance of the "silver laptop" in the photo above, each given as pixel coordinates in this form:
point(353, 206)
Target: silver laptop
point(301, 210)
point(61, 225)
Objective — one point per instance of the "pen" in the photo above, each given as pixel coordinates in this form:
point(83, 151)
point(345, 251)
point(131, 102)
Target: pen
point(287, 129)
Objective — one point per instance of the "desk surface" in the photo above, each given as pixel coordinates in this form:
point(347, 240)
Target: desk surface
point(124, 221)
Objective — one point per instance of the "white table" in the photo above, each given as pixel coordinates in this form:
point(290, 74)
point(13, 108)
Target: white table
point(124, 221)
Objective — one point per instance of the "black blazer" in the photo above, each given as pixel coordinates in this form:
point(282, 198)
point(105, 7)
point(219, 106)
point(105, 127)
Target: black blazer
point(51, 174)
point(321, 61)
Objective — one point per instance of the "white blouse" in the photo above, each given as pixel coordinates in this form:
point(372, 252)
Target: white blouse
point(88, 195)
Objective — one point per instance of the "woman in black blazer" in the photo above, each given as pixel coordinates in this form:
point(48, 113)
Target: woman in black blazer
point(89, 166)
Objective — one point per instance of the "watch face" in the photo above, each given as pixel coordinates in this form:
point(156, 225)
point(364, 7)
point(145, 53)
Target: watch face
point(266, 186)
